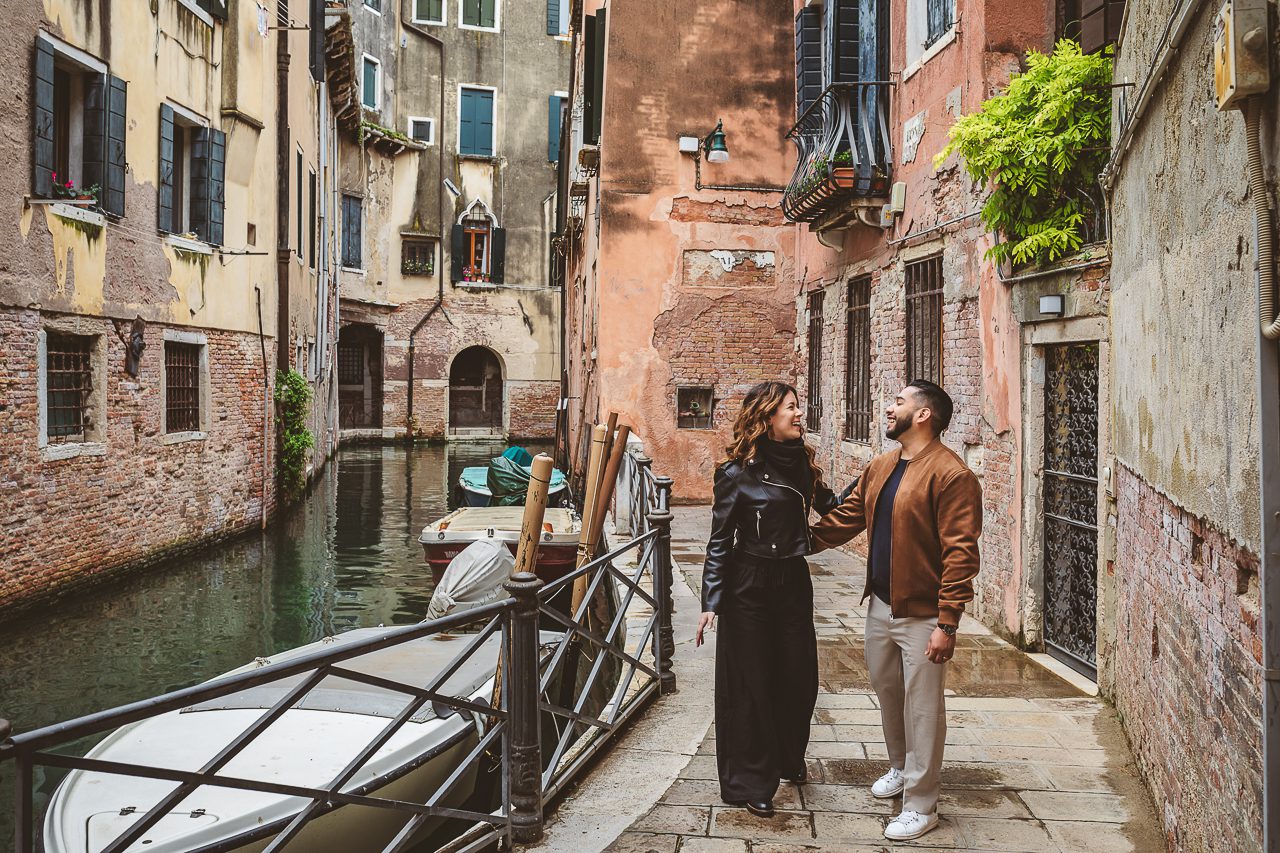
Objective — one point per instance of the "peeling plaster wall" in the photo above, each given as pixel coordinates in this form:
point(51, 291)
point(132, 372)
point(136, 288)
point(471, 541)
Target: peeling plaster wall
point(677, 287)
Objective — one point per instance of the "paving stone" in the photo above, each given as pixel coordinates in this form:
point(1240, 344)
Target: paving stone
point(1048, 755)
point(845, 828)
point(982, 803)
point(700, 767)
point(833, 749)
point(848, 716)
point(698, 792)
point(1064, 805)
point(1077, 778)
point(864, 732)
point(1074, 835)
point(684, 820)
point(845, 700)
point(643, 842)
point(740, 823)
point(843, 798)
point(690, 844)
point(1025, 836)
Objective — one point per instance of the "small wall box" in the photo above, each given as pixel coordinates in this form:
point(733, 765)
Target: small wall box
point(1240, 66)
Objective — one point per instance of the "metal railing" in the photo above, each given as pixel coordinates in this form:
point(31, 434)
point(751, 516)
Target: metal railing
point(646, 493)
point(845, 152)
point(572, 699)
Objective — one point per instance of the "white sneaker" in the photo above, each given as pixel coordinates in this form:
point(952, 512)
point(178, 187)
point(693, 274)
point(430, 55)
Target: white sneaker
point(889, 785)
point(909, 825)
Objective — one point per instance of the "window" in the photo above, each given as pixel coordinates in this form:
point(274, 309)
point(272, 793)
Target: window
point(813, 407)
point(479, 14)
point(68, 386)
point(311, 219)
point(181, 387)
point(475, 121)
point(477, 255)
point(558, 17)
point(694, 408)
point(78, 127)
point(428, 12)
point(1093, 23)
point(477, 250)
point(423, 130)
point(350, 364)
point(555, 109)
point(417, 256)
point(941, 18)
point(192, 175)
point(857, 419)
point(300, 245)
point(924, 320)
point(352, 236)
point(371, 83)
point(373, 5)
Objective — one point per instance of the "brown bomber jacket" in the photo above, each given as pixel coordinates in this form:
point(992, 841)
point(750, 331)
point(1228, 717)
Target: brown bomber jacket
point(937, 518)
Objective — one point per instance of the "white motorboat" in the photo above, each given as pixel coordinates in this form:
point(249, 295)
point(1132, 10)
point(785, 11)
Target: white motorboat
point(308, 746)
point(445, 538)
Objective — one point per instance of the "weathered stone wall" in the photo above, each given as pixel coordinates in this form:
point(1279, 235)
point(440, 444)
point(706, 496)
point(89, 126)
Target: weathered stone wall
point(135, 498)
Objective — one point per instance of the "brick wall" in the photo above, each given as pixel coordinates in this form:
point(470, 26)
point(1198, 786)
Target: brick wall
point(68, 522)
point(1188, 668)
point(531, 409)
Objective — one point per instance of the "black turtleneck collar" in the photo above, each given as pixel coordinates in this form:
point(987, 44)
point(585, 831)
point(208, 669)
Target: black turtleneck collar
point(790, 459)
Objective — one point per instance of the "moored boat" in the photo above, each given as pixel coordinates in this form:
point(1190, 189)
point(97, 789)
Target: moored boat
point(447, 537)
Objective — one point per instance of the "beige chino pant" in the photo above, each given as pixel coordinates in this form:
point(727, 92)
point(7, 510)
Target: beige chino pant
point(910, 689)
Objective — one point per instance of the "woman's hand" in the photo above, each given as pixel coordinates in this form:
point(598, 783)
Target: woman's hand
point(705, 621)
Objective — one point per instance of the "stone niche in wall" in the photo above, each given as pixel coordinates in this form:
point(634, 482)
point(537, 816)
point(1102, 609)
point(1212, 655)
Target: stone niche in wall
point(734, 268)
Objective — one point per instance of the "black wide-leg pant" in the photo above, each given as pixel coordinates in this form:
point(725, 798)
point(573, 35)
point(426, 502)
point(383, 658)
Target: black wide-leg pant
point(766, 675)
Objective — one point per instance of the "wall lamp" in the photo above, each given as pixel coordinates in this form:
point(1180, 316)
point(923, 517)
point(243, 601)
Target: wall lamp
point(717, 151)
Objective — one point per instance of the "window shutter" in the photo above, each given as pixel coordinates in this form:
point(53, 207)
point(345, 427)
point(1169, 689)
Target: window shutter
point(484, 123)
point(808, 57)
point(845, 34)
point(456, 251)
point(216, 8)
point(487, 12)
point(112, 196)
point(553, 128)
point(42, 126)
point(467, 123)
point(94, 151)
point(217, 185)
point(589, 96)
point(200, 184)
point(597, 116)
point(498, 259)
point(553, 17)
point(165, 208)
point(317, 40)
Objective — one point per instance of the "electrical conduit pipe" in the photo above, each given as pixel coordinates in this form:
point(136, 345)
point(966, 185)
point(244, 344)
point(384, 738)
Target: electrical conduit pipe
point(1263, 223)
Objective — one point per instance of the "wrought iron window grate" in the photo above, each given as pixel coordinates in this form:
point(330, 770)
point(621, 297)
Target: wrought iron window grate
point(69, 385)
point(924, 319)
point(813, 407)
point(182, 387)
point(858, 361)
point(350, 364)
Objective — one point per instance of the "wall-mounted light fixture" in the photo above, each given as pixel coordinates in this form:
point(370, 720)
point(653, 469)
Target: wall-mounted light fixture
point(717, 151)
point(1051, 306)
point(713, 145)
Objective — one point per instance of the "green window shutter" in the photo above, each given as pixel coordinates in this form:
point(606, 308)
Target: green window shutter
point(42, 125)
point(457, 249)
point(484, 123)
point(498, 256)
point(597, 72)
point(208, 183)
point(112, 196)
point(589, 94)
point(352, 236)
point(199, 183)
point(553, 127)
point(217, 185)
point(488, 13)
point(94, 150)
point(553, 17)
point(428, 10)
point(165, 206)
point(369, 85)
point(316, 40)
point(475, 127)
point(467, 123)
point(216, 8)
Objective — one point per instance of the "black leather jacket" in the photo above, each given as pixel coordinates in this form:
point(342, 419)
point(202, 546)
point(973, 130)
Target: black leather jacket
point(758, 511)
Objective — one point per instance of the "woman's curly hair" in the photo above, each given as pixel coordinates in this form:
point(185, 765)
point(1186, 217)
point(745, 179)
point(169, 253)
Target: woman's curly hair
point(752, 425)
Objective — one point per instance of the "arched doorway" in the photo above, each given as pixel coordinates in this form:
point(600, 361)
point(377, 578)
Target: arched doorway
point(475, 391)
point(359, 377)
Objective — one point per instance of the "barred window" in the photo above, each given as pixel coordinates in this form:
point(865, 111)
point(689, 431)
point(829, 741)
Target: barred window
point(942, 17)
point(857, 420)
point(813, 406)
point(69, 383)
point(182, 387)
point(350, 364)
point(924, 319)
point(417, 256)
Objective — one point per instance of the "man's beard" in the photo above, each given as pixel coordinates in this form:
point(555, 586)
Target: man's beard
point(900, 425)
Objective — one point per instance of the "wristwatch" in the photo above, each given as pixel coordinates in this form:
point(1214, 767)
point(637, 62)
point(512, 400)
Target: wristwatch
point(949, 630)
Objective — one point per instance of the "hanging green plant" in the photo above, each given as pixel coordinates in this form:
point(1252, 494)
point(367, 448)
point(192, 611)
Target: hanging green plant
point(1040, 145)
point(293, 403)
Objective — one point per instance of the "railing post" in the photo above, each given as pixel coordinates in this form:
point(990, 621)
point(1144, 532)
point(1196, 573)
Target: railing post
point(524, 738)
point(643, 464)
point(664, 645)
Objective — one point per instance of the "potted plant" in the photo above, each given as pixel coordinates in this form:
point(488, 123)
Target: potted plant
point(842, 173)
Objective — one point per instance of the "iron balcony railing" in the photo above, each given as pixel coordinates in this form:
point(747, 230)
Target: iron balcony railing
point(555, 706)
point(845, 152)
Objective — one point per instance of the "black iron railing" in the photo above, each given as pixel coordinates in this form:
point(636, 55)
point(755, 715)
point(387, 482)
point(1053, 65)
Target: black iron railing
point(570, 695)
point(845, 152)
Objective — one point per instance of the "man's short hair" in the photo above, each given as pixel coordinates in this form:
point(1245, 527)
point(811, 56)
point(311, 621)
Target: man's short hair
point(937, 401)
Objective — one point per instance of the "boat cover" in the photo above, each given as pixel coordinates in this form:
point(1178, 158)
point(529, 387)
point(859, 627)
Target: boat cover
point(518, 455)
point(474, 577)
point(475, 478)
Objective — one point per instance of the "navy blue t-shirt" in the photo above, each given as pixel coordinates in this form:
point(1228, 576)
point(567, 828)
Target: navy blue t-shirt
point(882, 533)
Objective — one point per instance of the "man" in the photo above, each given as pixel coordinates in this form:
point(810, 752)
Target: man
point(923, 508)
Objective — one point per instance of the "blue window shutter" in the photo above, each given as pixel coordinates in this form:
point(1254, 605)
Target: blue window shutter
point(165, 212)
point(484, 124)
point(553, 127)
point(553, 17)
point(808, 57)
point(467, 123)
point(42, 130)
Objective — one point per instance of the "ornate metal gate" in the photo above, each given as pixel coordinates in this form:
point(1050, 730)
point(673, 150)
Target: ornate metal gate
point(1071, 504)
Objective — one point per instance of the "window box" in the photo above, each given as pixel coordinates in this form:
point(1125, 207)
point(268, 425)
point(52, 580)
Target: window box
point(77, 213)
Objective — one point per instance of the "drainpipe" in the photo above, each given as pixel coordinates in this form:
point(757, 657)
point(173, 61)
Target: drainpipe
point(440, 273)
point(562, 218)
point(266, 406)
point(282, 198)
point(1269, 491)
point(322, 267)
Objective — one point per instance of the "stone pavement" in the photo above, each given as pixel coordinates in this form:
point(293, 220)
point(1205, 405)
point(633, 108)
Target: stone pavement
point(1032, 763)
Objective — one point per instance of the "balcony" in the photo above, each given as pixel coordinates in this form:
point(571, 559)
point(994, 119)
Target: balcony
point(845, 156)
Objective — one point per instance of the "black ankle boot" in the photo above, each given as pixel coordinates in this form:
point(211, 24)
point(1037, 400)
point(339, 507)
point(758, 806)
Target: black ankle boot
point(760, 808)
point(798, 776)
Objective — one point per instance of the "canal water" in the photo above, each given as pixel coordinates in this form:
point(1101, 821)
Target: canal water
point(347, 557)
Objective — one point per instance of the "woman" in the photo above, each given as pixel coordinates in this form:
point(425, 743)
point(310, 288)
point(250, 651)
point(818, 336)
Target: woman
point(756, 583)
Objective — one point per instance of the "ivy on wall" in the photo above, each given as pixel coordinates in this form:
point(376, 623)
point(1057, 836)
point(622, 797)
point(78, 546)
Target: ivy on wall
point(293, 402)
point(1040, 145)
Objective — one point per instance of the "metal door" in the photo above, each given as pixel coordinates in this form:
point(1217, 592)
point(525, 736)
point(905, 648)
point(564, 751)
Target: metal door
point(1071, 504)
